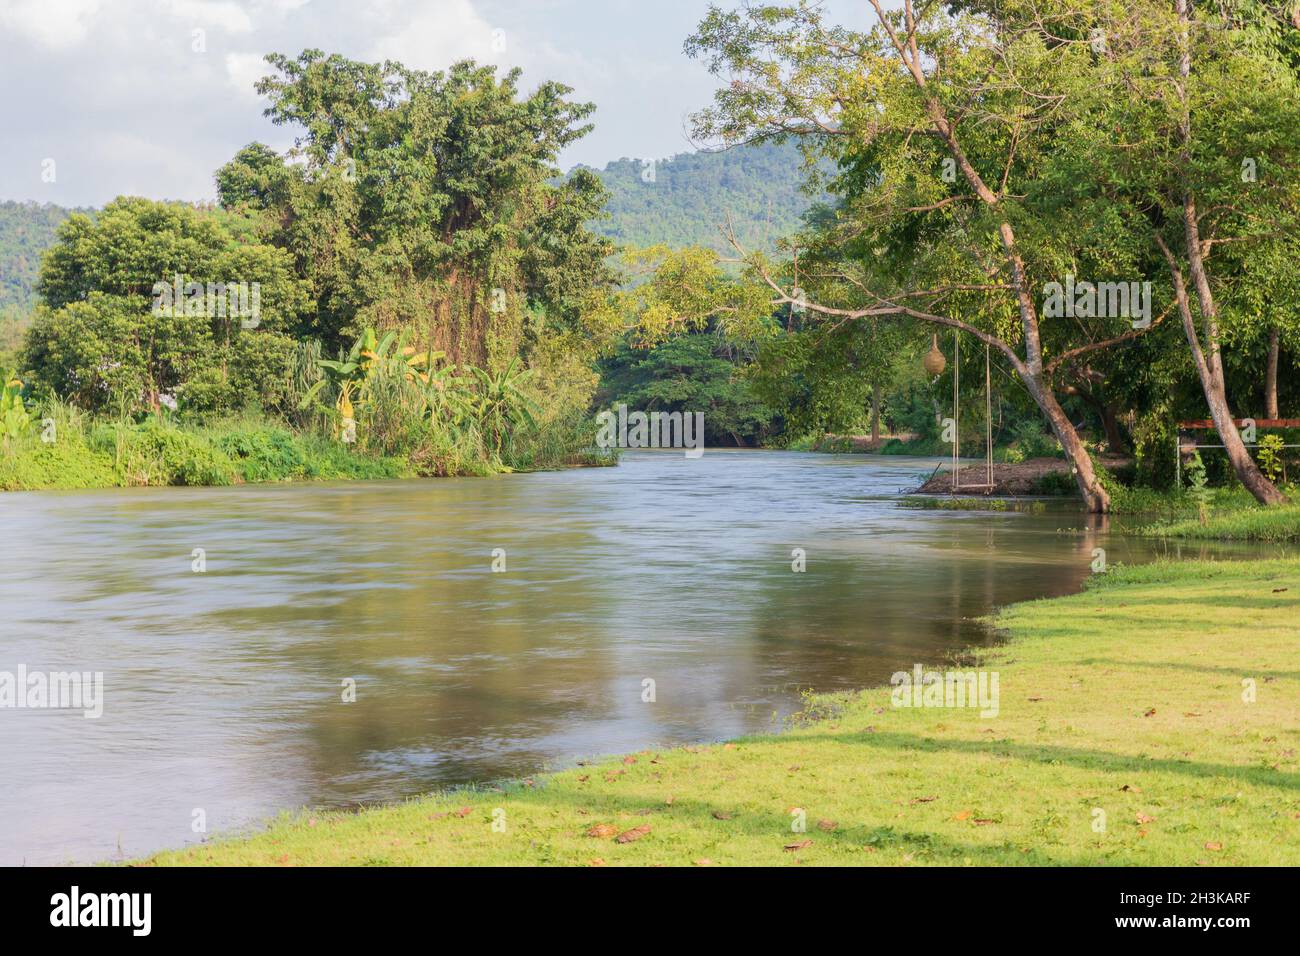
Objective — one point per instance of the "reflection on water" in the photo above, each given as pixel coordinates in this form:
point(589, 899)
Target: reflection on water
point(223, 688)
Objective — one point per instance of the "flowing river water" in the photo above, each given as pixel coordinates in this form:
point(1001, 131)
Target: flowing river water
point(223, 689)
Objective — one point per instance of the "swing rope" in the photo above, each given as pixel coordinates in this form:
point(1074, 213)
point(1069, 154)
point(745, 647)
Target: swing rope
point(956, 412)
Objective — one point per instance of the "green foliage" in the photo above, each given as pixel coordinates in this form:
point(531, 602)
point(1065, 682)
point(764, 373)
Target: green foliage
point(67, 462)
point(1270, 457)
point(88, 454)
point(27, 229)
point(695, 372)
point(1030, 439)
point(1244, 524)
point(156, 453)
point(1155, 440)
point(111, 338)
point(424, 201)
point(1056, 483)
point(820, 380)
point(1197, 488)
point(500, 405)
point(15, 422)
point(1085, 156)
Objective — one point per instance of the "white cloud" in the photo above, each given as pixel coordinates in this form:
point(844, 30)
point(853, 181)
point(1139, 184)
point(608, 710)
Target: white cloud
point(210, 13)
point(244, 70)
point(431, 37)
point(54, 26)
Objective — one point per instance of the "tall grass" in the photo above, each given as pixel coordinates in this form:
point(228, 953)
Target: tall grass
point(1247, 524)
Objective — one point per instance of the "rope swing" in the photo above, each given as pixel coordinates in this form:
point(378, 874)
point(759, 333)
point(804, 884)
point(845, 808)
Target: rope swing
point(934, 363)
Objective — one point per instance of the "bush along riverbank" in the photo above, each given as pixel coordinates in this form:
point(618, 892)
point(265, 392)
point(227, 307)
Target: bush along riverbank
point(378, 414)
point(125, 454)
point(1150, 720)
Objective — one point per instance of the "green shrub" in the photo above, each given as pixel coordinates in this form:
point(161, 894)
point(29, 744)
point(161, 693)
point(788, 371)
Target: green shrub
point(158, 454)
point(1153, 440)
point(263, 454)
point(1056, 483)
point(64, 463)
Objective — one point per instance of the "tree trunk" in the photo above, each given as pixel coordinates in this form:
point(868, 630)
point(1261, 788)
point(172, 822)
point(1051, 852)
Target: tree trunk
point(1095, 497)
point(1270, 377)
point(1211, 370)
point(1110, 423)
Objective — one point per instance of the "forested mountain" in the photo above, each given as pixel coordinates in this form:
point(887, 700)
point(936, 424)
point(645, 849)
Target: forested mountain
point(682, 200)
point(26, 230)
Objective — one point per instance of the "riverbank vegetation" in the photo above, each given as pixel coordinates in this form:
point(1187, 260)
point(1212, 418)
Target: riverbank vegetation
point(407, 283)
point(1151, 717)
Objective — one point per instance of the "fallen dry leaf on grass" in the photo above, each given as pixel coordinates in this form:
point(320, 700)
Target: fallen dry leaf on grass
point(602, 831)
point(801, 845)
point(827, 825)
point(962, 815)
point(629, 759)
point(722, 814)
point(596, 862)
point(924, 799)
point(1143, 818)
point(1214, 845)
point(1150, 713)
point(632, 835)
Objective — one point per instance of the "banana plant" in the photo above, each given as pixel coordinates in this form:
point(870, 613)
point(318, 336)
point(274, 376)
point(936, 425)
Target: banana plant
point(354, 375)
point(500, 402)
point(14, 418)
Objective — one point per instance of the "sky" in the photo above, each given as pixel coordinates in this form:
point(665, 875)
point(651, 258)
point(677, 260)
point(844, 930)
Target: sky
point(149, 97)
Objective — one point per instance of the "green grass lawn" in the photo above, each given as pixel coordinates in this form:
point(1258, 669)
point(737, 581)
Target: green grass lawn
point(1125, 699)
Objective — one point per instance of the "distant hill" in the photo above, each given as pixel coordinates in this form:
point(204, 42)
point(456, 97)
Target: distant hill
point(26, 230)
point(681, 201)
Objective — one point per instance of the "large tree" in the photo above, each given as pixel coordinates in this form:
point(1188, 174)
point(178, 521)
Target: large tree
point(112, 335)
point(425, 201)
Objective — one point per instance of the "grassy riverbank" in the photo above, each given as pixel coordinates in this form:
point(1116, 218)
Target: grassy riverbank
point(1247, 524)
point(86, 453)
point(1125, 699)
